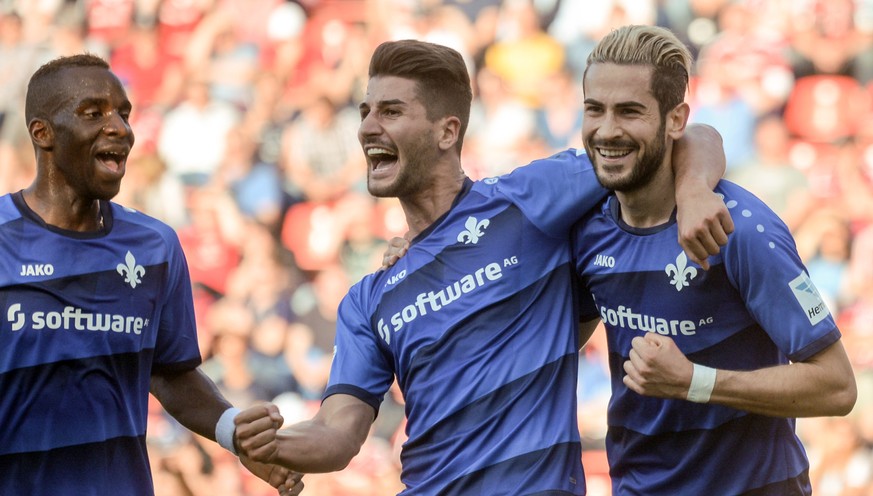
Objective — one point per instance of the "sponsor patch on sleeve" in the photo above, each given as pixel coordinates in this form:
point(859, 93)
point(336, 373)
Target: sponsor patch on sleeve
point(809, 298)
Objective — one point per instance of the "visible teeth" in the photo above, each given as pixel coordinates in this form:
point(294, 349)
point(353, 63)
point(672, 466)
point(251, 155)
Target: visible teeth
point(378, 151)
point(612, 153)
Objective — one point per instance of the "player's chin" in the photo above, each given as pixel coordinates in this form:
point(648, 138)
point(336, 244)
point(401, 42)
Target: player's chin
point(108, 190)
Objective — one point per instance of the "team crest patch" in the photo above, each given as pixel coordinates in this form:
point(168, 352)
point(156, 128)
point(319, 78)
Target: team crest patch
point(809, 298)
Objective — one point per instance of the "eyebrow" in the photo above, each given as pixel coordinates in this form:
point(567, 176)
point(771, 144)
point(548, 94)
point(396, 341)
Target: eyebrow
point(87, 102)
point(620, 105)
point(383, 103)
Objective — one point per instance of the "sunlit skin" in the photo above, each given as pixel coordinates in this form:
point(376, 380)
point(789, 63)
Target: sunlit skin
point(82, 142)
point(629, 144)
point(409, 156)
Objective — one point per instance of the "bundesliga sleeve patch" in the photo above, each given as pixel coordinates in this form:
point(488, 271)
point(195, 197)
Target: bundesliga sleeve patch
point(809, 298)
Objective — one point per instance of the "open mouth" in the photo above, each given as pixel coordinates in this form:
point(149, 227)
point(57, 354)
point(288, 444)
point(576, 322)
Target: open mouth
point(113, 160)
point(381, 158)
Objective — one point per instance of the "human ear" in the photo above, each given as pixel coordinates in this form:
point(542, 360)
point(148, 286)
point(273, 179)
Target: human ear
point(41, 133)
point(677, 119)
point(450, 132)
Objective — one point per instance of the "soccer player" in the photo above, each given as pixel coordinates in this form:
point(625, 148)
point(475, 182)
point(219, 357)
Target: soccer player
point(97, 306)
point(477, 321)
point(709, 368)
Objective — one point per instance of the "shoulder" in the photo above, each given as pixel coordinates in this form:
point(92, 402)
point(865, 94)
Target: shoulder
point(144, 224)
point(747, 210)
point(7, 209)
point(571, 159)
point(365, 291)
point(566, 172)
point(757, 228)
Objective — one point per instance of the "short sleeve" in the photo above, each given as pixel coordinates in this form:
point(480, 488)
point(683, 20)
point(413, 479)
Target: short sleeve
point(360, 366)
point(761, 259)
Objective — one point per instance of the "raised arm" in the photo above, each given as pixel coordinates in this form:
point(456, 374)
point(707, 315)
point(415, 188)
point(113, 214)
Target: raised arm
point(823, 385)
point(704, 221)
point(326, 443)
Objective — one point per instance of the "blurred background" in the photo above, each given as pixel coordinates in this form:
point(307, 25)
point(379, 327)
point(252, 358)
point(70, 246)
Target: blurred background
point(245, 118)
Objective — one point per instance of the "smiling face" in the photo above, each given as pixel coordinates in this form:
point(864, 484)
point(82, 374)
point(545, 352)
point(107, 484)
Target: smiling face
point(400, 143)
point(86, 131)
point(623, 131)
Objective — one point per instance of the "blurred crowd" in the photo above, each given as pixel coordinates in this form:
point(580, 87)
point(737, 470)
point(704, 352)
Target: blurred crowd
point(245, 120)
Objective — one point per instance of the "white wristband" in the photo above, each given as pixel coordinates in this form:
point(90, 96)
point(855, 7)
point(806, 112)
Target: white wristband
point(702, 382)
point(225, 428)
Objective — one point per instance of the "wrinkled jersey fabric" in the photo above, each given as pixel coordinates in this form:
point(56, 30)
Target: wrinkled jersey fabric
point(87, 318)
point(478, 323)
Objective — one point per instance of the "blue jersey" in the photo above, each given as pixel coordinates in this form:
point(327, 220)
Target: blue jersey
point(475, 323)
point(86, 319)
point(755, 307)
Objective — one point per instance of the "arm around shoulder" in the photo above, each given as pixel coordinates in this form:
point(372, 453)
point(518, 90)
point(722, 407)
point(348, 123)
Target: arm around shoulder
point(704, 221)
point(698, 157)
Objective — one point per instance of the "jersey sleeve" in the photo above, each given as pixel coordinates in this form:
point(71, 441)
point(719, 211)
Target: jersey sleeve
point(176, 347)
point(583, 297)
point(761, 259)
point(360, 368)
point(556, 191)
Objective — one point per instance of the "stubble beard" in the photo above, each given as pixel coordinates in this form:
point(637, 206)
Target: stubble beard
point(413, 177)
point(645, 168)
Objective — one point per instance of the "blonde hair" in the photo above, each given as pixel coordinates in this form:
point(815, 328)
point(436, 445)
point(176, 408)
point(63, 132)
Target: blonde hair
point(652, 46)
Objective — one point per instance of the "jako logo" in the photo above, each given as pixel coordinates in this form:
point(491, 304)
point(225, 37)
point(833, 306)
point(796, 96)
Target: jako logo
point(75, 319)
point(37, 270)
point(396, 277)
point(604, 261)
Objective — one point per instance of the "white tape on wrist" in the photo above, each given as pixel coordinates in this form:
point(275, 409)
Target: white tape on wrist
point(702, 383)
point(225, 428)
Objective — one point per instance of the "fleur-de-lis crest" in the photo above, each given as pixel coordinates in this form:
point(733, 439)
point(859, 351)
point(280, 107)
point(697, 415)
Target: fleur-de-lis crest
point(474, 230)
point(131, 271)
point(681, 273)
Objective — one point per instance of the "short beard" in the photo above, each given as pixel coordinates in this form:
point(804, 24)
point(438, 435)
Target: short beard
point(414, 177)
point(644, 170)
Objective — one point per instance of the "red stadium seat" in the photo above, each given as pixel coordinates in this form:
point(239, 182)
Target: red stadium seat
point(825, 108)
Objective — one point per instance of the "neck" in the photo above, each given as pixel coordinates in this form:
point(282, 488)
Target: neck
point(74, 214)
point(423, 209)
point(651, 205)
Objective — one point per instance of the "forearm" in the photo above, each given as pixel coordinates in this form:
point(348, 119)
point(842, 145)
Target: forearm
point(698, 159)
point(822, 386)
point(192, 399)
point(310, 447)
point(326, 443)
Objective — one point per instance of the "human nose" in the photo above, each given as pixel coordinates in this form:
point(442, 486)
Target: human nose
point(369, 126)
point(116, 124)
point(608, 127)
